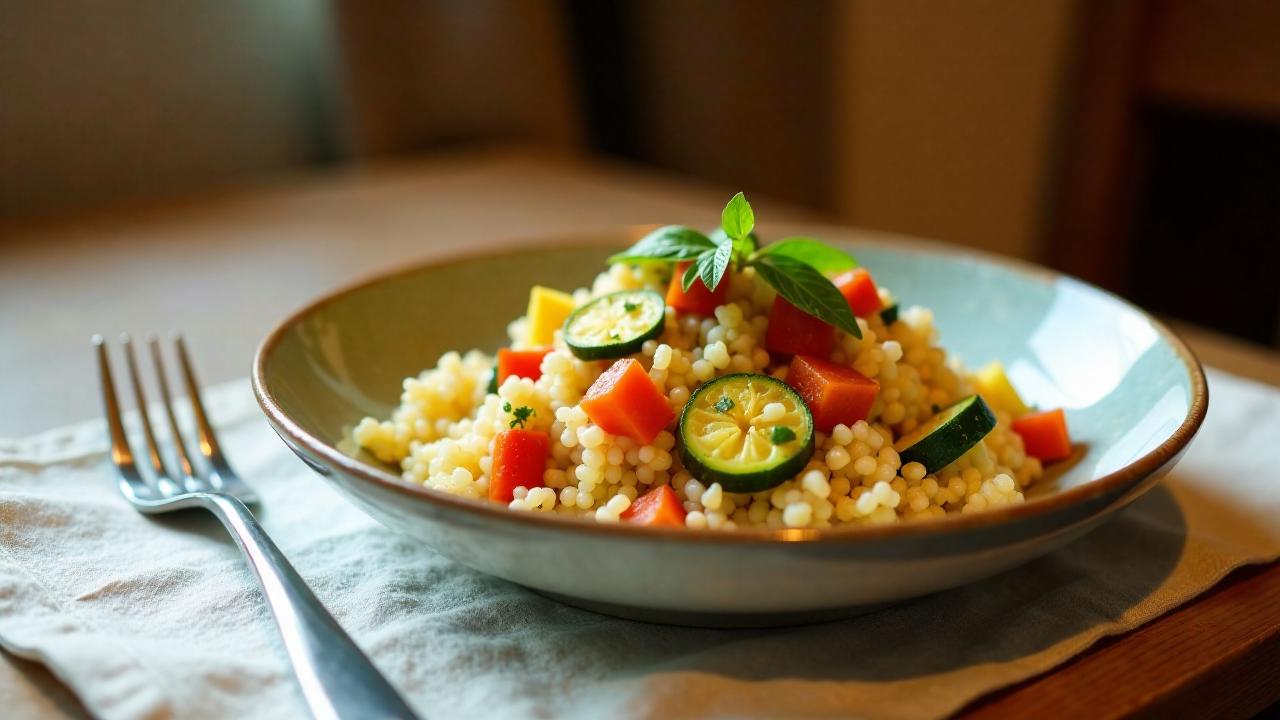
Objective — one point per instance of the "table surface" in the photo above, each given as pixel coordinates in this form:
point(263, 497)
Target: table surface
point(225, 268)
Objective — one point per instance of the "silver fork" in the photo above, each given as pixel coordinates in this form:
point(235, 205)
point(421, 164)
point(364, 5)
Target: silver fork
point(336, 678)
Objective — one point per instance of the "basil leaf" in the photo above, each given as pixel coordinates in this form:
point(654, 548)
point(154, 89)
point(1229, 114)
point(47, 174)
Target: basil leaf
point(815, 253)
point(737, 218)
point(713, 264)
point(742, 247)
point(807, 289)
point(691, 272)
point(670, 243)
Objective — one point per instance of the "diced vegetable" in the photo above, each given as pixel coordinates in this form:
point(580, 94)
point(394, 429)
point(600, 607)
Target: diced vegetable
point(860, 291)
point(947, 435)
point(834, 393)
point(1044, 435)
point(615, 325)
point(760, 437)
point(657, 508)
point(519, 458)
point(492, 386)
point(889, 315)
point(547, 311)
point(996, 389)
point(792, 331)
point(698, 299)
point(521, 363)
point(624, 401)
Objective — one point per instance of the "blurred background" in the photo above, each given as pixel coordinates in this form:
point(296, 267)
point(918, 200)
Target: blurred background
point(1134, 144)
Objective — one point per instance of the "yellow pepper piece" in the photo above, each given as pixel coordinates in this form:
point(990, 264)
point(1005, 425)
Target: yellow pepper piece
point(995, 388)
point(547, 311)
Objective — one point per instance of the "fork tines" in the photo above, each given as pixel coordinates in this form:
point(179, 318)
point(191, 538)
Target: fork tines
point(181, 468)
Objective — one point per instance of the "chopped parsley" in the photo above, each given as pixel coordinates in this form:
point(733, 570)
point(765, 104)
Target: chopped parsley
point(724, 404)
point(782, 434)
point(522, 414)
point(630, 306)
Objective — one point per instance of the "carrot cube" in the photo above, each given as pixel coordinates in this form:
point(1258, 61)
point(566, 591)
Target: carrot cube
point(521, 363)
point(834, 393)
point(624, 401)
point(657, 508)
point(1044, 435)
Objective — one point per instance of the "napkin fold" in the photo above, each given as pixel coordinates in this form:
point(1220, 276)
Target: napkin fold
point(159, 617)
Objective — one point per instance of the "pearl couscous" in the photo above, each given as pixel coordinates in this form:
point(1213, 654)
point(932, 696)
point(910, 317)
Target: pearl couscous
point(452, 430)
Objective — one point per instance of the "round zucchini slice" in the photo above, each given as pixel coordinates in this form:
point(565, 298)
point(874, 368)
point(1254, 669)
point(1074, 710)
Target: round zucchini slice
point(615, 325)
point(726, 438)
point(947, 435)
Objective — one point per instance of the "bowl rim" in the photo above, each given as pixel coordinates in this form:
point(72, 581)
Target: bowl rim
point(1039, 506)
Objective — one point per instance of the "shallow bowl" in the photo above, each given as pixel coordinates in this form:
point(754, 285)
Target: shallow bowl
point(1134, 396)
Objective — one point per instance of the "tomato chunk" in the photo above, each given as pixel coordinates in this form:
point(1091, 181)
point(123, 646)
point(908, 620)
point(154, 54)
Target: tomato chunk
point(698, 299)
point(521, 363)
point(519, 457)
point(793, 331)
point(834, 393)
point(657, 508)
point(860, 291)
point(624, 401)
point(1044, 434)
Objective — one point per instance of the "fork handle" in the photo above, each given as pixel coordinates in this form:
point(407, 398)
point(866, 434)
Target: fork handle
point(337, 679)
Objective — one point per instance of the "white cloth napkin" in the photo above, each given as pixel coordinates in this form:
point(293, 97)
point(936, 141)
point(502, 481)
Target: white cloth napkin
point(155, 618)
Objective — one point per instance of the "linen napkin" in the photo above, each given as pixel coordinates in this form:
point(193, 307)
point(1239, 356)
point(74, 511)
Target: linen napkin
point(159, 617)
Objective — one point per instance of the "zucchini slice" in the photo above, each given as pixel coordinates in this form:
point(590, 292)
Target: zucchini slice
point(725, 438)
point(615, 325)
point(889, 315)
point(947, 435)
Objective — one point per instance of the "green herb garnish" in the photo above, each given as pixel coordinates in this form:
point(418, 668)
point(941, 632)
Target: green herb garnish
point(794, 266)
point(724, 404)
point(782, 435)
point(630, 306)
point(522, 415)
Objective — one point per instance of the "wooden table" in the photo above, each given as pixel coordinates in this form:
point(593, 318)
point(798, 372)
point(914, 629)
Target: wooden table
point(225, 268)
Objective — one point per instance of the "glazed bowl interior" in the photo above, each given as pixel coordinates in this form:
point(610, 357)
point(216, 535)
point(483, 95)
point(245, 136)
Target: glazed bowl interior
point(1131, 390)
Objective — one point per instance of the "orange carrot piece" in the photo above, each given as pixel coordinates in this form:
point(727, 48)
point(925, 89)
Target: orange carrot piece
point(1044, 435)
point(697, 299)
point(624, 401)
point(834, 393)
point(860, 291)
point(793, 331)
point(657, 508)
point(519, 457)
point(521, 363)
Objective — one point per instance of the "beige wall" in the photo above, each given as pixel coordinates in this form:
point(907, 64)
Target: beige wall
point(945, 117)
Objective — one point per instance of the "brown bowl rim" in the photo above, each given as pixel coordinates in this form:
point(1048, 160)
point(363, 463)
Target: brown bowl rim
point(1040, 506)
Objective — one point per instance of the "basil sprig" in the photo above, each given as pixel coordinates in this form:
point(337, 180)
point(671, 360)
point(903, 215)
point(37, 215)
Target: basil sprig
point(672, 243)
point(794, 266)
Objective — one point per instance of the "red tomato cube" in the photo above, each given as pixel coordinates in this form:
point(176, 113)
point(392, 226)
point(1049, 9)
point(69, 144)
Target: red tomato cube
point(519, 458)
point(793, 331)
point(697, 299)
point(860, 290)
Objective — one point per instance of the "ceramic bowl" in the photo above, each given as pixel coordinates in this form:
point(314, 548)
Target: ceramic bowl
point(1134, 396)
